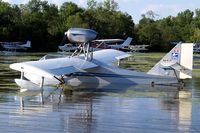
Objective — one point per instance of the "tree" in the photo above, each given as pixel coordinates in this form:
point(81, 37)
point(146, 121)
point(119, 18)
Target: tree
point(76, 21)
point(110, 5)
point(91, 4)
point(169, 30)
point(107, 20)
point(196, 35)
point(6, 15)
point(39, 24)
point(183, 22)
point(149, 34)
point(67, 10)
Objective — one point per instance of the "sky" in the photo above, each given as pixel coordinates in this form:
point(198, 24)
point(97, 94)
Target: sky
point(135, 8)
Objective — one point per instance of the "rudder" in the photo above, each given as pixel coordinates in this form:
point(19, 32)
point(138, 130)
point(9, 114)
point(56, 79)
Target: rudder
point(127, 41)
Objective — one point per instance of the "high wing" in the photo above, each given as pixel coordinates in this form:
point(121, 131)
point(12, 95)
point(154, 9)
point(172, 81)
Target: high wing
point(108, 40)
point(53, 67)
point(50, 68)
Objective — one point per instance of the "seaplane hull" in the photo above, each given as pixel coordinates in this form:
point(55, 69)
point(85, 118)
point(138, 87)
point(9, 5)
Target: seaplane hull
point(98, 77)
point(116, 78)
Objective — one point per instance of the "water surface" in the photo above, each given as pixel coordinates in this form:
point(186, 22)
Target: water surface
point(118, 110)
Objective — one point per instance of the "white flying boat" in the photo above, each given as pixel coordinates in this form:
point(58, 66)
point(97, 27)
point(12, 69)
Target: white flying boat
point(85, 66)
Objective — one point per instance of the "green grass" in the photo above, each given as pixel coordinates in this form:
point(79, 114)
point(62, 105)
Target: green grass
point(143, 62)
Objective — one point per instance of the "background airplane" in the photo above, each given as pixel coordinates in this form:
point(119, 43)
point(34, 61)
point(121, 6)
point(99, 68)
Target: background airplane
point(118, 44)
point(13, 46)
point(68, 47)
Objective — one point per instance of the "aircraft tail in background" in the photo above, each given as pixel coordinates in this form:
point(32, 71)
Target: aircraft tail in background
point(177, 63)
point(127, 42)
point(27, 44)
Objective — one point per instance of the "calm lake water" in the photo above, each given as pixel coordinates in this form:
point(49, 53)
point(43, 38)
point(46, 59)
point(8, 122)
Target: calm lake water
point(107, 110)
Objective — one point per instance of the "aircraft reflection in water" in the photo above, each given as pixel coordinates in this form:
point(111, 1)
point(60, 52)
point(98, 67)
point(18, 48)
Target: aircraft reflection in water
point(185, 115)
point(180, 111)
point(59, 110)
point(67, 112)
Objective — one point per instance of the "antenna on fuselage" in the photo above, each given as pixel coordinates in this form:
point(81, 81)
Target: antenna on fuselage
point(83, 37)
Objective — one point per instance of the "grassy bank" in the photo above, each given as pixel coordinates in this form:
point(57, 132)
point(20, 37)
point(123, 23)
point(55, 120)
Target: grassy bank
point(145, 61)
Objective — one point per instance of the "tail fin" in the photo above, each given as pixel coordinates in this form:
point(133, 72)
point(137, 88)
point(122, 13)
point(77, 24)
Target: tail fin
point(27, 45)
point(127, 41)
point(177, 63)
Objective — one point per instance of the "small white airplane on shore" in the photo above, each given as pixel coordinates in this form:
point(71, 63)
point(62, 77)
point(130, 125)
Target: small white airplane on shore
point(13, 46)
point(97, 68)
point(139, 48)
point(118, 44)
point(67, 47)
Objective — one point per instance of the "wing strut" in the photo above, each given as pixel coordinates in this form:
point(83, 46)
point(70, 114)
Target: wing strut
point(42, 91)
point(62, 81)
point(86, 49)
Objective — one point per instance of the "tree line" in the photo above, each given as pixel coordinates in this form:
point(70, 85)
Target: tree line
point(44, 24)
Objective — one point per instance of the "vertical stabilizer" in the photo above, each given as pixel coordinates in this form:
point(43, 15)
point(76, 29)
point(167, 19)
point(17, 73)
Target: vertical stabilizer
point(27, 45)
point(177, 63)
point(127, 41)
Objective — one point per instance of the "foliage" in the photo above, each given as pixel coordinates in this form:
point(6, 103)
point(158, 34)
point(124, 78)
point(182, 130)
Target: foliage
point(44, 24)
point(160, 33)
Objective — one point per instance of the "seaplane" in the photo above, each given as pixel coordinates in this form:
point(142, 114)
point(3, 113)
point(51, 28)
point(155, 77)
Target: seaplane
point(13, 46)
point(100, 68)
point(119, 44)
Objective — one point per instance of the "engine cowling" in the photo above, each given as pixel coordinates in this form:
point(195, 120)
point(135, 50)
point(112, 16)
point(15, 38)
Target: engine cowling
point(81, 35)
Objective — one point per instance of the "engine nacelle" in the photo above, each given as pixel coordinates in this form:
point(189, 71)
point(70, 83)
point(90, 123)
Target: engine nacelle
point(81, 35)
